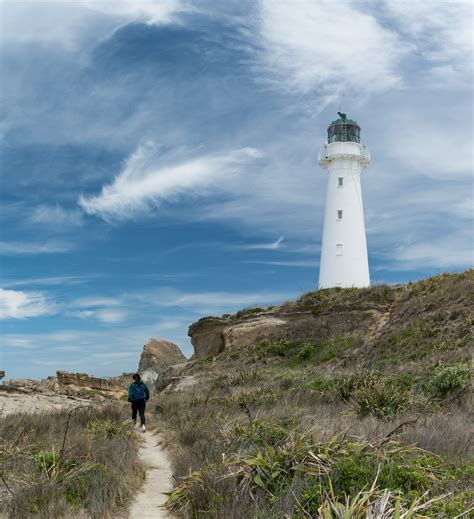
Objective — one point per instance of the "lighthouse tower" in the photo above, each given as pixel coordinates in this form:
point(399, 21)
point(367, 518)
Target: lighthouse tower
point(344, 260)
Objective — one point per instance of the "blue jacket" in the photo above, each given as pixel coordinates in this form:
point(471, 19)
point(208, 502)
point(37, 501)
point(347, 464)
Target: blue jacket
point(131, 391)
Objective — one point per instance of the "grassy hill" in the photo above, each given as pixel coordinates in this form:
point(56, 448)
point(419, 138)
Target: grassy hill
point(375, 421)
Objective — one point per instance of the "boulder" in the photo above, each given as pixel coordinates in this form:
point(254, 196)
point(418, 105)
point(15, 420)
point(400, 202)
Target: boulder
point(156, 358)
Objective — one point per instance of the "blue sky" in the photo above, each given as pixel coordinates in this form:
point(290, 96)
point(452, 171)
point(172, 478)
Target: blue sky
point(159, 161)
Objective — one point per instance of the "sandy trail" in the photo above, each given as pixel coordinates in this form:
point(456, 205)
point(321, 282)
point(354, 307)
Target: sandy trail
point(149, 504)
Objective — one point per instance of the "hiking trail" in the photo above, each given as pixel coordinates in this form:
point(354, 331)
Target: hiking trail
point(149, 503)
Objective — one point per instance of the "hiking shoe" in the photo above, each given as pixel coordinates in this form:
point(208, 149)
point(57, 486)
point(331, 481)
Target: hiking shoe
point(143, 428)
point(134, 423)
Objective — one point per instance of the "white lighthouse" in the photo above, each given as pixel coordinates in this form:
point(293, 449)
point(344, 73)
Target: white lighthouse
point(344, 260)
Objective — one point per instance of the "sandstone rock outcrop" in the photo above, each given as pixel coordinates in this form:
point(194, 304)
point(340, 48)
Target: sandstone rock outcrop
point(212, 335)
point(83, 380)
point(68, 384)
point(156, 358)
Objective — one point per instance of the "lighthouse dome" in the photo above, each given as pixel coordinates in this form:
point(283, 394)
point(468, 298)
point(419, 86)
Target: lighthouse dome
point(343, 130)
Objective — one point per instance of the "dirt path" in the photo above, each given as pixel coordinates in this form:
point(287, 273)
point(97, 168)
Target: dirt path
point(149, 503)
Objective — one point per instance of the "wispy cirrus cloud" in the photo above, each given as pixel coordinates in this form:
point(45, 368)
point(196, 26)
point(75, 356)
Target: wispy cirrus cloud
point(262, 246)
point(26, 248)
point(102, 315)
point(99, 308)
point(209, 302)
point(442, 252)
point(72, 24)
point(143, 185)
point(441, 32)
point(308, 45)
point(55, 216)
point(45, 281)
point(287, 263)
point(17, 304)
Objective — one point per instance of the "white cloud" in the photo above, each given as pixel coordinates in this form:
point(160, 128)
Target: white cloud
point(149, 11)
point(111, 316)
point(55, 216)
point(263, 246)
point(94, 301)
point(142, 185)
point(455, 250)
point(16, 304)
point(54, 280)
point(431, 149)
point(27, 248)
point(103, 309)
point(441, 31)
point(102, 315)
point(203, 301)
point(290, 263)
point(72, 24)
point(334, 45)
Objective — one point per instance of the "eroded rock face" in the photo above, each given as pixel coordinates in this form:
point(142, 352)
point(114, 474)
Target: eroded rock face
point(212, 335)
point(86, 386)
point(83, 380)
point(69, 384)
point(156, 357)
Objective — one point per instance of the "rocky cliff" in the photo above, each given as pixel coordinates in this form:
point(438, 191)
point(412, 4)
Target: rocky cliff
point(157, 356)
point(82, 380)
point(211, 336)
point(383, 319)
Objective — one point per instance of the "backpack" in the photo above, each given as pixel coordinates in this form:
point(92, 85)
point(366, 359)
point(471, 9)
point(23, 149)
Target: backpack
point(138, 392)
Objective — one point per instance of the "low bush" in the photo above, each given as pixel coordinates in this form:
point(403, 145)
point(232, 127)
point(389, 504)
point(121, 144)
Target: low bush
point(449, 379)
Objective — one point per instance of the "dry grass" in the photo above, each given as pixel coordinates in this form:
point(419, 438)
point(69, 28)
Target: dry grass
point(80, 463)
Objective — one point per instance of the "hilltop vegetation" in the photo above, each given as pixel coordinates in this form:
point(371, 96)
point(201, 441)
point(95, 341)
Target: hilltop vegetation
point(368, 422)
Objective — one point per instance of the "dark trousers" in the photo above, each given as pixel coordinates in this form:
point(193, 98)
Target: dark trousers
point(140, 407)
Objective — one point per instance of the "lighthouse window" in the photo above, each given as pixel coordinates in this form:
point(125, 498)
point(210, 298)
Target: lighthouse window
point(339, 214)
point(338, 249)
point(340, 181)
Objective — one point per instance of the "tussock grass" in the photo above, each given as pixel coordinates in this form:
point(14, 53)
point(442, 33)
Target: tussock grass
point(79, 463)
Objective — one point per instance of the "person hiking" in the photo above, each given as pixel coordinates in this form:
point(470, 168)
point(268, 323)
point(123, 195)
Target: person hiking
point(138, 394)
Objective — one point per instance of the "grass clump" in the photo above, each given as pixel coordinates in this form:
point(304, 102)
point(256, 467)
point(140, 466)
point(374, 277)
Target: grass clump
point(82, 462)
point(249, 311)
point(367, 393)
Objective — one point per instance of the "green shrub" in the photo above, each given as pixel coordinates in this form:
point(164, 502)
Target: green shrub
point(449, 379)
point(107, 428)
point(288, 381)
